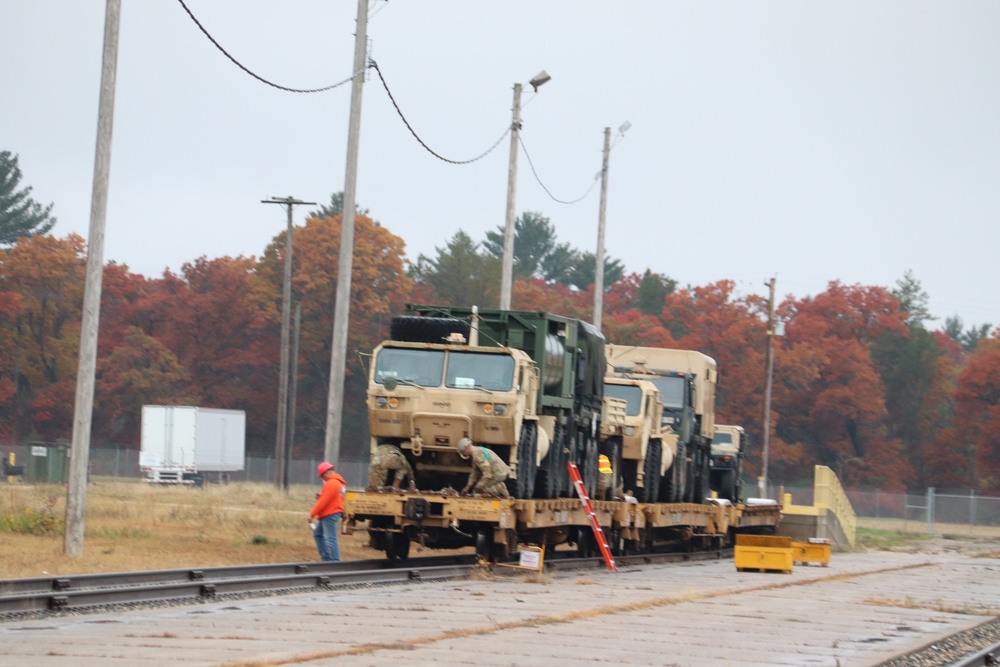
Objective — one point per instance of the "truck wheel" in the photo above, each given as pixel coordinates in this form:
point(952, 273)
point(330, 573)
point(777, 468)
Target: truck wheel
point(426, 329)
point(551, 477)
point(727, 485)
point(527, 450)
point(589, 465)
point(651, 472)
point(701, 484)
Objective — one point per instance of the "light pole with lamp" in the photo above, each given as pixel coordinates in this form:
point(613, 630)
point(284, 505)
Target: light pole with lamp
point(599, 266)
point(507, 262)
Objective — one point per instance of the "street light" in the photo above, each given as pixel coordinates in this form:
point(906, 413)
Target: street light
point(599, 266)
point(507, 263)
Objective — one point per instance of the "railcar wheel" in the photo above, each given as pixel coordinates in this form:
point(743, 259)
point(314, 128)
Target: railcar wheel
point(484, 545)
point(397, 546)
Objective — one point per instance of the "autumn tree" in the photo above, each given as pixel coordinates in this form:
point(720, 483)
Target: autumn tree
point(139, 371)
point(379, 290)
point(841, 416)
point(20, 215)
point(221, 325)
point(44, 275)
point(977, 420)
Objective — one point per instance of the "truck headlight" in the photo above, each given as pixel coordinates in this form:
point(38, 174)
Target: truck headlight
point(499, 410)
point(629, 430)
point(381, 402)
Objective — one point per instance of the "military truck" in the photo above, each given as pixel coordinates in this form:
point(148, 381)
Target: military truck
point(634, 442)
point(729, 446)
point(527, 385)
point(686, 380)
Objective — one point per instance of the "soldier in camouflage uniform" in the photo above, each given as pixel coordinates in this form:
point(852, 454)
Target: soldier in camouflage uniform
point(386, 459)
point(489, 472)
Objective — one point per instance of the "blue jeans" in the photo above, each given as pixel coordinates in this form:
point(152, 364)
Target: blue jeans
point(326, 537)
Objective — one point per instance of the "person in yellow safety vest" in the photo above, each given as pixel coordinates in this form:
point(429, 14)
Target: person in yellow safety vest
point(605, 477)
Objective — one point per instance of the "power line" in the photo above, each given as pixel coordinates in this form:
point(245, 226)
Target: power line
point(251, 73)
point(554, 198)
point(374, 66)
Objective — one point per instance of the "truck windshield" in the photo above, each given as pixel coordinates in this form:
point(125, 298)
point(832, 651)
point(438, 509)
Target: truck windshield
point(671, 391)
point(631, 394)
point(421, 367)
point(478, 370)
point(722, 438)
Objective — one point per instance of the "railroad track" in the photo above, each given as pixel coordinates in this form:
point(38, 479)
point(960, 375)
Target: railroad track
point(55, 594)
point(89, 590)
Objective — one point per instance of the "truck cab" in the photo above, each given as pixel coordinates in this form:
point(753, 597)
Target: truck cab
point(728, 449)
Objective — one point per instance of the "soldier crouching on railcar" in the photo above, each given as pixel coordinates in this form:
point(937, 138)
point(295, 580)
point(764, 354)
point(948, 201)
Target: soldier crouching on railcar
point(489, 472)
point(386, 459)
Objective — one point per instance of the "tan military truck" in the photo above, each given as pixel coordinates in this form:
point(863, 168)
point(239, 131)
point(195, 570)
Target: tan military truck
point(634, 441)
point(527, 385)
point(686, 380)
point(729, 446)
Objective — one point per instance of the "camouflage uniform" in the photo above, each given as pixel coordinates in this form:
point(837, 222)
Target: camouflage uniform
point(488, 473)
point(388, 458)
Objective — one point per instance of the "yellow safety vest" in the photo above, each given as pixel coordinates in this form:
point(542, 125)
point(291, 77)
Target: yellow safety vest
point(604, 465)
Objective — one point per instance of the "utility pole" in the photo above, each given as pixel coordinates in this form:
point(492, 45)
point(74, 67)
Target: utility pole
point(83, 407)
point(280, 477)
point(507, 262)
point(293, 392)
point(767, 386)
point(342, 306)
point(599, 268)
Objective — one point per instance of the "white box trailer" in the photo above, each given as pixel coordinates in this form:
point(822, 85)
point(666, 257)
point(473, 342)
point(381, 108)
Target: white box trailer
point(180, 443)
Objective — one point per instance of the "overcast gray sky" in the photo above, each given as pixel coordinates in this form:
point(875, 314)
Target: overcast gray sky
point(810, 141)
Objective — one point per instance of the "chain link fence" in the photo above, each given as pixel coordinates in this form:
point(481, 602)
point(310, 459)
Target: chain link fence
point(951, 512)
point(46, 463)
point(932, 513)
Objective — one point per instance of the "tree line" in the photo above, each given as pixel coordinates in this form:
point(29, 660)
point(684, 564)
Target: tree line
point(861, 383)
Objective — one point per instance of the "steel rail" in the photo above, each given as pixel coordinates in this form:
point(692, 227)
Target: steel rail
point(116, 579)
point(988, 657)
point(75, 599)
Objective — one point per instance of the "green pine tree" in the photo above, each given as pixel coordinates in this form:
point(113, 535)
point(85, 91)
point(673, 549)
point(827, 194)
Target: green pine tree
point(20, 215)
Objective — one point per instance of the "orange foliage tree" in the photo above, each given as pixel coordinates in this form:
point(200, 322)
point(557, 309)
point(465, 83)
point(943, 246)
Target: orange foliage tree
point(977, 417)
point(840, 417)
point(379, 289)
point(43, 279)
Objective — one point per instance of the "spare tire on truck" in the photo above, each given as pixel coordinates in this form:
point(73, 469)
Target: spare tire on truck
point(412, 329)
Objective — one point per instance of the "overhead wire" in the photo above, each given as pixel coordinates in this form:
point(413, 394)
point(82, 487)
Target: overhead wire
point(253, 74)
point(399, 111)
point(372, 64)
point(537, 178)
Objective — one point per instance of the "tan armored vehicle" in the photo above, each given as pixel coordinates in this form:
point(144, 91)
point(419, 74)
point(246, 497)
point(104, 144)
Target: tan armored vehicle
point(686, 380)
point(634, 441)
point(728, 449)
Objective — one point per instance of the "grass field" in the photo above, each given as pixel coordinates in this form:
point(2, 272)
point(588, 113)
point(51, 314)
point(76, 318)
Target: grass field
point(130, 525)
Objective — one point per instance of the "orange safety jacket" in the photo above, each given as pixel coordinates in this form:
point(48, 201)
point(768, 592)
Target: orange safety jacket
point(331, 497)
point(604, 465)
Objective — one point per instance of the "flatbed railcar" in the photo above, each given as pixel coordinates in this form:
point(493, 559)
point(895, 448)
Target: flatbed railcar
point(496, 527)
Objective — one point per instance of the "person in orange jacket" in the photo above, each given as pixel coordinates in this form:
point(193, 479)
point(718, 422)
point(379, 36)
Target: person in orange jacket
point(328, 511)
